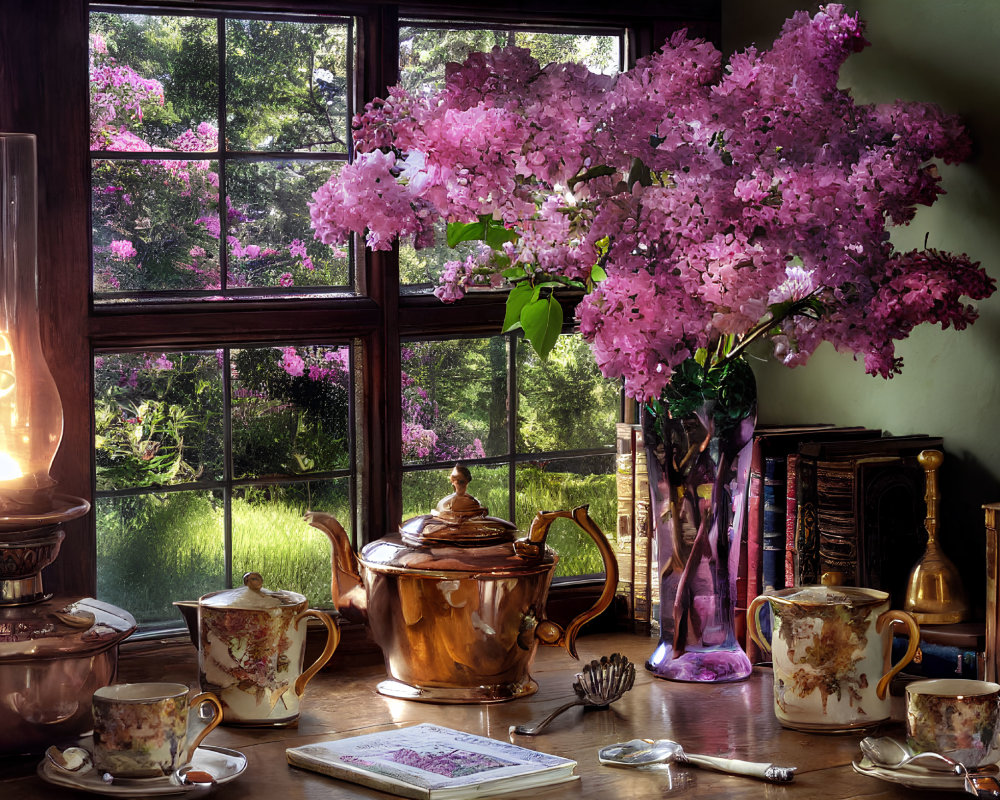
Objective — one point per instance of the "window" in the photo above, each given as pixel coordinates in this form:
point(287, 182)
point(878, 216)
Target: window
point(243, 372)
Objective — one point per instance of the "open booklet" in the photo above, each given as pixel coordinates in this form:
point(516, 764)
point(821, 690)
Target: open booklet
point(428, 761)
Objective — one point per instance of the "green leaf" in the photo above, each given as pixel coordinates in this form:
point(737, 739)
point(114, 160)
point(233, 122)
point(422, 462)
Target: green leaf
point(465, 232)
point(497, 233)
point(516, 300)
point(597, 273)
point(513, 273)
point(542, 321)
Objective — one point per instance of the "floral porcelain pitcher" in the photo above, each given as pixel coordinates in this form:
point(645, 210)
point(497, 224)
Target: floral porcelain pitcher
point(252, 646)
point(830, 648)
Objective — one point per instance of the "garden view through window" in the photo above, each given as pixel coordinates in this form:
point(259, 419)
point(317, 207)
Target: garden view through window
point(209, 134)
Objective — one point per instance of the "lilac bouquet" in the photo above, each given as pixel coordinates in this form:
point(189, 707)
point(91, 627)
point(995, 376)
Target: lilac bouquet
point(700, 207)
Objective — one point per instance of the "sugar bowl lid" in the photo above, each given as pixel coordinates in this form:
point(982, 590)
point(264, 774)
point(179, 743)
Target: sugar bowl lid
point(459, 519)
point(251, 596)
point(55, 629)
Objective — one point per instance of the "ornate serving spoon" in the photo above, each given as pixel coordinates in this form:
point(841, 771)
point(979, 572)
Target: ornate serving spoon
point(598, 685)
point(643, 752)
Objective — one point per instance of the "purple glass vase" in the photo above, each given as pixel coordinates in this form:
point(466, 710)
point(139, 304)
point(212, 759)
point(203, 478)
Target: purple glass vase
point(698, 472)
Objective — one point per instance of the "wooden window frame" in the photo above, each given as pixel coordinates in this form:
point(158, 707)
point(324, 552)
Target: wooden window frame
point(44, 90)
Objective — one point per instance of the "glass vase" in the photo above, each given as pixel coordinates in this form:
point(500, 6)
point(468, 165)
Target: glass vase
point(699, 465)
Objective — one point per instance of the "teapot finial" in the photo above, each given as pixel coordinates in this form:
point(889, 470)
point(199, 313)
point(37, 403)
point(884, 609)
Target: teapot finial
point(460, 478)
point(460, 505)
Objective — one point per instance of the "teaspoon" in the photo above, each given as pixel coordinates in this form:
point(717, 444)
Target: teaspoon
point(642, 752)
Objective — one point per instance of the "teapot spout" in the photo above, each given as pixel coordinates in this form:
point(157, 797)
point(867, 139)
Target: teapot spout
point(346, 585)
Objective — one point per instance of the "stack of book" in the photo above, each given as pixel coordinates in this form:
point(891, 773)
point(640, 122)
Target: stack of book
point(827, 499)
point(945, 651)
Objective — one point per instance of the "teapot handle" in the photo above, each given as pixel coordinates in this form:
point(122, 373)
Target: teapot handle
point(533, 546)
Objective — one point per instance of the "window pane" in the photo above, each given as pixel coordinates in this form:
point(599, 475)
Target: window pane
point(423, 53)
point(564, 484)
point(290, 410)
point(564, 403)
point(271, 240)
point(454, 399)
point(287, 86)
point(153, 82)
point(155, 225)
point(271, 537)
point(158, 418)
point(422, 489)
point(181, 555)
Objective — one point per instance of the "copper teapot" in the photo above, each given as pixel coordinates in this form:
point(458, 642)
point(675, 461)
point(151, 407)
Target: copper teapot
point(455, 601)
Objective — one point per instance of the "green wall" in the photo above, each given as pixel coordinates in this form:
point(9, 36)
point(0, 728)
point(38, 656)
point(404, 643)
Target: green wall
point(942, 51)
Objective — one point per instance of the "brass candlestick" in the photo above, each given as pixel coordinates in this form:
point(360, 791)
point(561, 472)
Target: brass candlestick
point(934, 594)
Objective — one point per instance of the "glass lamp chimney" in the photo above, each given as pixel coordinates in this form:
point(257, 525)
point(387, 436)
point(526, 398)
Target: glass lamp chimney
point(31, 418)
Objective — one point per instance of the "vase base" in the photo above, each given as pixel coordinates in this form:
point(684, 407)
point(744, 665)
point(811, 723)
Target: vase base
point(707, 665)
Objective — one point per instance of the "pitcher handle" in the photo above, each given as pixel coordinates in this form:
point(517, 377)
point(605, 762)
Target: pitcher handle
point(332, 640)
point(913, 629)
point(532, 546)
point(753, 622)
point(194, 718)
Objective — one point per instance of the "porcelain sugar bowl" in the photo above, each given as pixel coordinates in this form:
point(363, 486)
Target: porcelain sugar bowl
point(456, 599)
point(831, 648)
point(251, 651)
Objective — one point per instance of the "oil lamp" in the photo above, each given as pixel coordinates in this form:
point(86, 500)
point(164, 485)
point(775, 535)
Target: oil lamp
point(54, 652)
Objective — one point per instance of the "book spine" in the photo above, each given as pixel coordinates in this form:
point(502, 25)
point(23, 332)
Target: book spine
point(940, 660)
point(773, 557)
point(791, 515)
point(754, 547)
point(992, 587)
point(836, 520)
point(806, 533)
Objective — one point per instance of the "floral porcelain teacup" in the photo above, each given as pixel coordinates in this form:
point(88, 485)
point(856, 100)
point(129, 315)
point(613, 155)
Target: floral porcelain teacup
point(955, 717)
point(830, 653)
point(148, 730)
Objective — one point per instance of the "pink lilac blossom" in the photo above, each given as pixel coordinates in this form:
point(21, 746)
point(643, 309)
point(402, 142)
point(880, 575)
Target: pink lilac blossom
point(122, 249)
point(713, 196)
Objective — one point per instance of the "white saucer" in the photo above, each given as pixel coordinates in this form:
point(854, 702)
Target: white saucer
point(912, 776)
point(224, 765)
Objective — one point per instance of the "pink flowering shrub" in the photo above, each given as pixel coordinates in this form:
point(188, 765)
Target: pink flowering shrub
point(701, 207)
point(168, 208)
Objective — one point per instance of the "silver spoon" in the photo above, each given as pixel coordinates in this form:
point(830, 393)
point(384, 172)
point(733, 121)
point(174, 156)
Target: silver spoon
point(642, 752)
point(188, 775)
point(598, 685)
point(886, 752)
point(72, 759)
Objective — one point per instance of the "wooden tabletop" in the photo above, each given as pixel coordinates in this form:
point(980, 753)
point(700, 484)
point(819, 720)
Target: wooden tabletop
point(733, 720)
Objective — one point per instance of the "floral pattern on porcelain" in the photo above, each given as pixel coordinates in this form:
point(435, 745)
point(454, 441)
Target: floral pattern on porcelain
point(138, 740)
point(961, 726)
point(831, 650)
point(826, 647)
point(246, 660)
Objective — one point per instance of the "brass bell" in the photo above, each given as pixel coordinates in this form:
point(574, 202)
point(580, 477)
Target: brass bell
point(934, 593)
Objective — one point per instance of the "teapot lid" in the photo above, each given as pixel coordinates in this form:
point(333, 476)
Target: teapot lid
point(251, 596)
point(458, 519)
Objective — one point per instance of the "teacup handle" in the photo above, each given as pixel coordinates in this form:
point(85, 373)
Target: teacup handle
point(195, 718)
point(888, 617)
point(332, 640)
